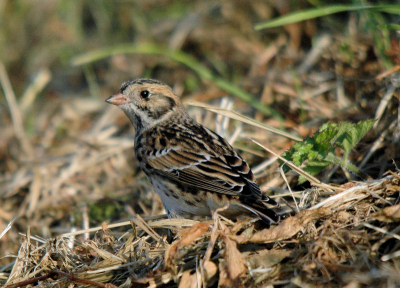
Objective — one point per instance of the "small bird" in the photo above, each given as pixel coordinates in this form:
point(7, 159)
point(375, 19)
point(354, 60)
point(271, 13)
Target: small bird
point(194, 170)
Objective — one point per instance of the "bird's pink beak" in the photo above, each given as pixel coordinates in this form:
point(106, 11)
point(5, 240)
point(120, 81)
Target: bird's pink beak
point(118, 99)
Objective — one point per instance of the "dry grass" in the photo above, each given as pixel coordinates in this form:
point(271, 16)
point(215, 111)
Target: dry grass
point(66, 160)
point(332, 242)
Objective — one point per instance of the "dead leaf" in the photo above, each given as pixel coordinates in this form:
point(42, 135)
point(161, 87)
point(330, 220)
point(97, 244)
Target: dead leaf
point(233, 267)
point(210, 270)
point(179, 248)
point(265, 258)
point(286, 229)
point(187, 280)
point(388, 214)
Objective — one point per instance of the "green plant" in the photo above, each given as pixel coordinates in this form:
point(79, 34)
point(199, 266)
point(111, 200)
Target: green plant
point(317, 152)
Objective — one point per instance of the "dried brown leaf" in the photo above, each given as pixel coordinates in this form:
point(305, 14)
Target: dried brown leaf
point(233, 267)
point(388, 214)
point(286, 229)
point(210, 269)
point(179, 248)
point(265, 258)
point(188, 280)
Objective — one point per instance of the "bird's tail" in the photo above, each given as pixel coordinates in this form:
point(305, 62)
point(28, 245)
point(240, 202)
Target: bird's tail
point(267, 215)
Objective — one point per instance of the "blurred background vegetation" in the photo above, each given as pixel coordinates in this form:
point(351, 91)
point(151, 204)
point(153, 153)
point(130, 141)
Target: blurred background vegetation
point(66, 158)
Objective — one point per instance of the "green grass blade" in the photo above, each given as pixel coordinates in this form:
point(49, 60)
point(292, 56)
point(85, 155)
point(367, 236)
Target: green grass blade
point(323, 11)
point(389, 26)
point(182, 58)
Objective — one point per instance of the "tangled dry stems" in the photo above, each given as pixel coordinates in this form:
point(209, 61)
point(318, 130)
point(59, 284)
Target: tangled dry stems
point(350, 236)
point(75, 151)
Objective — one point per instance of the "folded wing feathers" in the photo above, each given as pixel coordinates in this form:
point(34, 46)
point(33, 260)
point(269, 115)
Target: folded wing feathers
point(227, 176)
point(197, 181)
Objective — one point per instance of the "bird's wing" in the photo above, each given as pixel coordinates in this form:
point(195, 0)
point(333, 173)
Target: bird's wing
point(225, 174)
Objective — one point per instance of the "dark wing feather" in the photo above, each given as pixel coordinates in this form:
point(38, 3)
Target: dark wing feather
point(199, 170)
point(226, 174)
point(213, 174)
point(196, 156)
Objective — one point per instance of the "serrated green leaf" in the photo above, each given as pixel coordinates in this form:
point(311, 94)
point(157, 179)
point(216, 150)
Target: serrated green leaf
point(327, 125)
point(352, 136)
point(313, 168)
point(301, 154)
point(312, 154)
point(341, 130)
point(325, 135)
point(318, 151)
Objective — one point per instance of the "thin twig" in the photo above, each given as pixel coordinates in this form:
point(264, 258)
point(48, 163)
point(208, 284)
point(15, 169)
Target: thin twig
point(67, 275)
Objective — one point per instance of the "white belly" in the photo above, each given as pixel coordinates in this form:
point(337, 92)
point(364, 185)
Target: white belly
point(183, 204)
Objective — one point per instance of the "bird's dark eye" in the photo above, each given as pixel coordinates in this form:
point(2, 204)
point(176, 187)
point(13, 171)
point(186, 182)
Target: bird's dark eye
point(145, 94)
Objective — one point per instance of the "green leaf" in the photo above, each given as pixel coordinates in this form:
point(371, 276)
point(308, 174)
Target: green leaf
point(317, 152)
point(302, 151)
point(352, 135)
point(313, 168)
point(334, 130)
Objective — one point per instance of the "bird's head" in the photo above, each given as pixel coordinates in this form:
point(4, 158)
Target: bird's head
point(147, 102)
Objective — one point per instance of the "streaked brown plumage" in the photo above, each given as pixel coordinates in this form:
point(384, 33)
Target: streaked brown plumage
point(193, 169)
